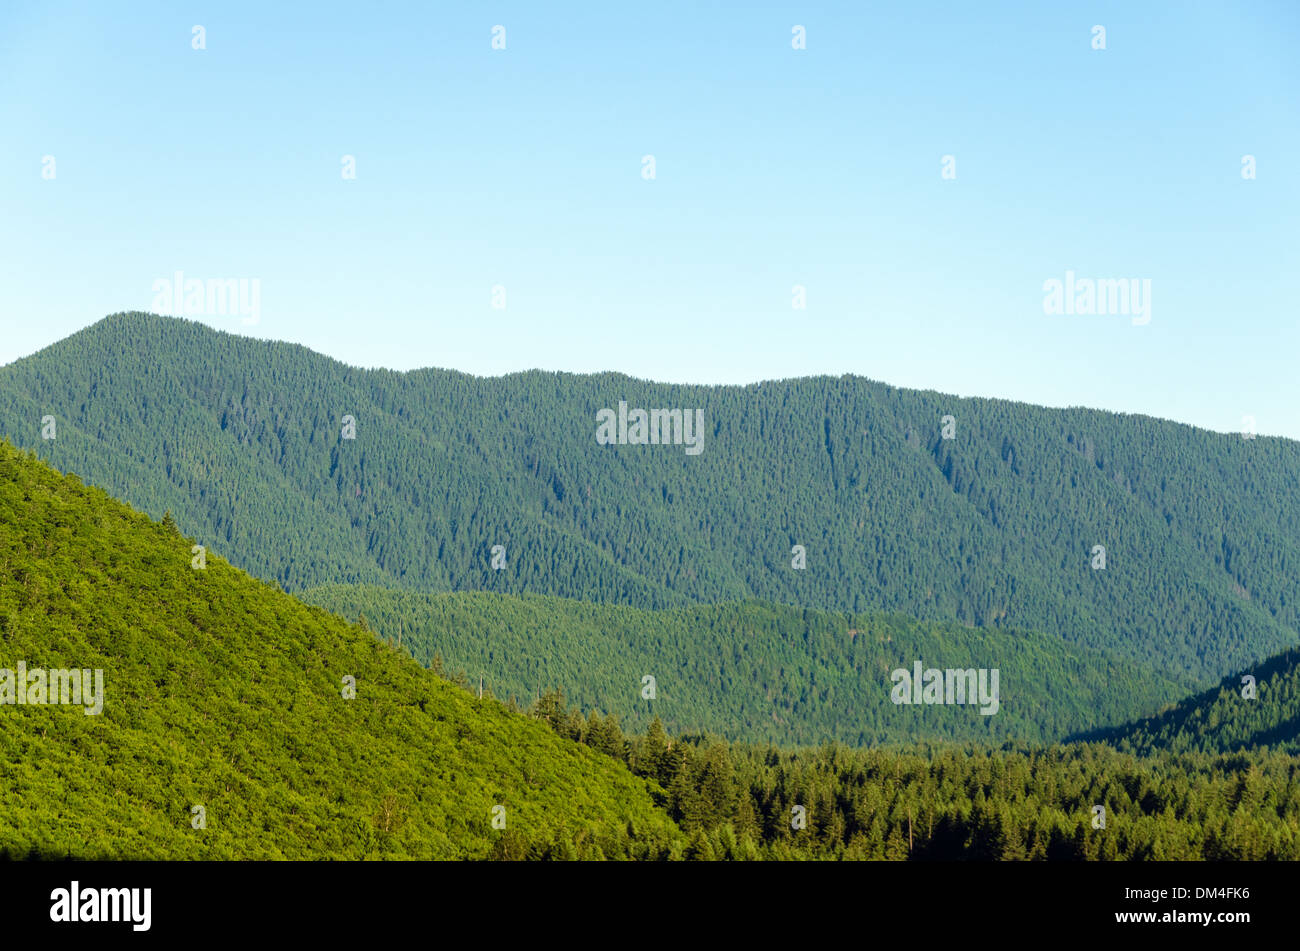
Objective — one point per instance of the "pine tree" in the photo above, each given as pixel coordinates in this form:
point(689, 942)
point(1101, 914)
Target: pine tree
point(747, 826)
point(699, 849)
point(652, 754)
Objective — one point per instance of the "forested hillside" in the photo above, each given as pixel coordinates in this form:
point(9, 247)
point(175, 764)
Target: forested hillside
point(995, 527)
point(1238, 714)
point(223, 693)
point(946, 802)
point(754, 671)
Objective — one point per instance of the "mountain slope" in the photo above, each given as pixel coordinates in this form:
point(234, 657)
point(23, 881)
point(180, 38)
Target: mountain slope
point(222, 692)
point(754, 671)
point(1223, 719)
point(241, 439)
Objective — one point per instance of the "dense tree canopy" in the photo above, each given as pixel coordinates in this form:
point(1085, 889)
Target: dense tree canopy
point(756, 671)
point(242, 440)
point(1254, 709)
point(948, 802)
point(221, 692)
point(829, 532)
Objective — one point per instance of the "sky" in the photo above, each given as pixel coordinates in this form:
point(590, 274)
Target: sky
point(922, 171)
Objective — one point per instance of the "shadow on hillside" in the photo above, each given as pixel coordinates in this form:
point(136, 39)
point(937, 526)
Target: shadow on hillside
point(1182, 716)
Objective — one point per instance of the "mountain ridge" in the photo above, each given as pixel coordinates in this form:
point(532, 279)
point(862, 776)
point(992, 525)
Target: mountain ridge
point(240, 438)
point(1235, 715)
point(651, 381)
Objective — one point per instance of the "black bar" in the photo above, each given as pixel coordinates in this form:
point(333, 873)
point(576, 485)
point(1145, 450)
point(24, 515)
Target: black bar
point(455, 901)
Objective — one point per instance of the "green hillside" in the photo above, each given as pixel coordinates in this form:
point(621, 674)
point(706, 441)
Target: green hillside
point(241, 440)
point(1224, 719)
point(222, 692)
point(754, 671)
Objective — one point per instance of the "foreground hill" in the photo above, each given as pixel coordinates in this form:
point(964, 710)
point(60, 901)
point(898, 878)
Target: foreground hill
point(1224, 719)
point(224, 693)
point(754, 671)
point(242, 440)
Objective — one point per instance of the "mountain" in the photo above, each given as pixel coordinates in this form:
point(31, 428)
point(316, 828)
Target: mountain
point(1226, 718)
point(997, 527)
point(222, 692)
point(755, 671)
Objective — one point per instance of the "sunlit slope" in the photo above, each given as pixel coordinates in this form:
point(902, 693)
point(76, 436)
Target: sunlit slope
point(224, 693)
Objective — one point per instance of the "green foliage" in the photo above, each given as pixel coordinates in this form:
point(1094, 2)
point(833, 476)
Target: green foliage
point(973, 552)
point(1224, 719)
point(944, 802)
point(223, 692)
point(755, 671)
point(240, 439)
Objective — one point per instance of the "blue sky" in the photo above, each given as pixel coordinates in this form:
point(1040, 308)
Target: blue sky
point(774, 167)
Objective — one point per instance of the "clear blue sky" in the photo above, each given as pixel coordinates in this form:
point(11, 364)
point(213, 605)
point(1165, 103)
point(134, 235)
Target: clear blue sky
point(775, 167)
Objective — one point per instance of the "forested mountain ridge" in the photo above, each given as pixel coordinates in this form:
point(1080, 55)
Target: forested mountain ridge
point(1248, 710)
point(997, 526)
point(221, 692)
point(755, 672)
